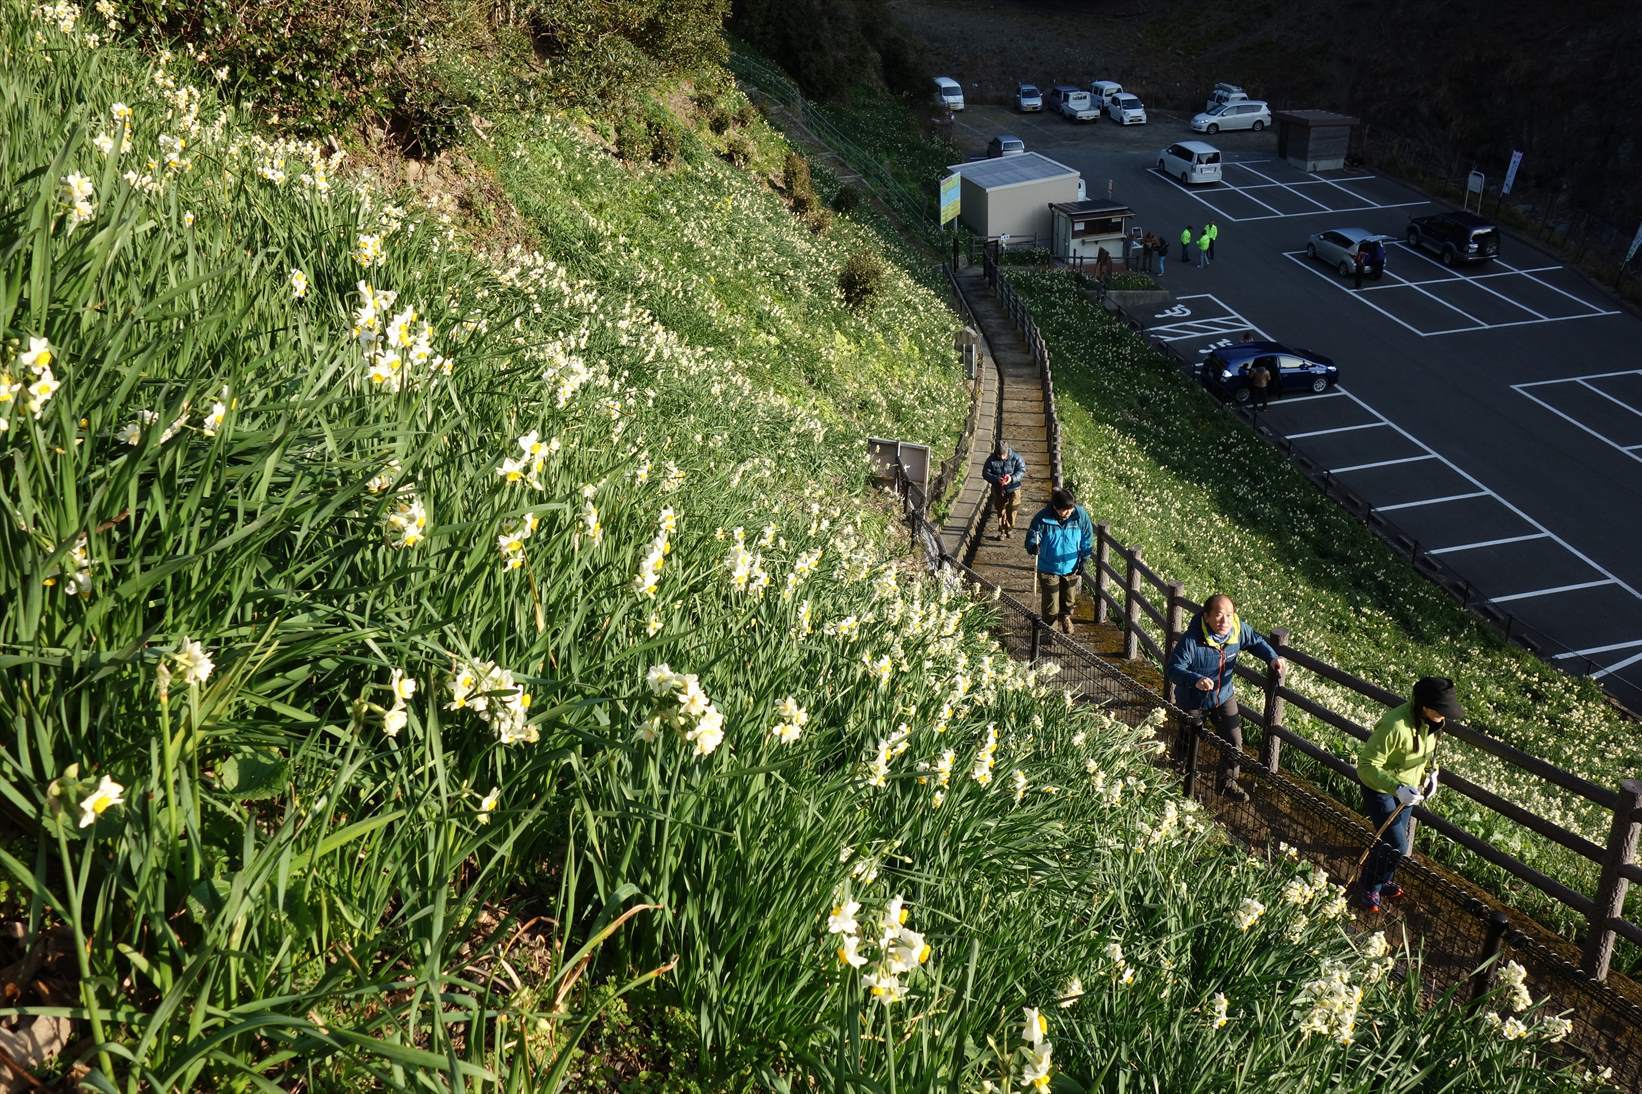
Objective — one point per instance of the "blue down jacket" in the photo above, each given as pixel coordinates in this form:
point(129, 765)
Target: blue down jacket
point(1196, 656)
point(1060, 545)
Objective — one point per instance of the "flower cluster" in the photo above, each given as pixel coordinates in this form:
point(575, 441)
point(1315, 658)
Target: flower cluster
point(1121, 970)
point(888, 749)
point(648, 578)
point(511, 543)
point(591, 527)
point(747, 573)
point(36, 360)
point(500, 702)
point(396, 348)
point(986, 758)
point(78, 199)
point(892, 952)
point(681, 705)
point(1329, 1003)
point(942, 772)
point(790, 720)
point(395, 717)
point(1036, 1052)
point(406, 524)
point(1247, 912)
point(1514, 979)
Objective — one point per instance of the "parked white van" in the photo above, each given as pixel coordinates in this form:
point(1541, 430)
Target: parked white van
point(1104, 92)
point(949, 93)
point(1224, 95)
point(1190, 161)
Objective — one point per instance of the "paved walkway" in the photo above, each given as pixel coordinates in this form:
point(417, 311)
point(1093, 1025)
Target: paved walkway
point(1005, 562)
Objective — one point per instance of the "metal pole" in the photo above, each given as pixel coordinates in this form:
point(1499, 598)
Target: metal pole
point(1484, 974)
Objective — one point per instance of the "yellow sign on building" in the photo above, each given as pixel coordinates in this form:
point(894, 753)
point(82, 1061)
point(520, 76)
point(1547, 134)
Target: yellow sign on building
point(949, 197)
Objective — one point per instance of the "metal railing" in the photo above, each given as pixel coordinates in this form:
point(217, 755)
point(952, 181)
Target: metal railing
point(1132, 611)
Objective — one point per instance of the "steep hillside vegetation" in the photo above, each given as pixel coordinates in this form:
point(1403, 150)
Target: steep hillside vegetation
point(417, 655)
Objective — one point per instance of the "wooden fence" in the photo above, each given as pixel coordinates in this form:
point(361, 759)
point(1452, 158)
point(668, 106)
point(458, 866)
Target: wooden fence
point(1121, 583)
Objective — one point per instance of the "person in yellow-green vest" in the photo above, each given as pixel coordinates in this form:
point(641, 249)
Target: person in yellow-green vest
point(1204, 242)
point(1186, 244)
point(1201, 668)
point(1396, 767)
point(1212, 230)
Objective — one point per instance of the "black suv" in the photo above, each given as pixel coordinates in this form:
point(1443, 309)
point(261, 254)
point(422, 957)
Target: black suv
point(1455, 237)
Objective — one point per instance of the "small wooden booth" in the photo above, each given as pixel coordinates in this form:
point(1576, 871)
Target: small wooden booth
point(1313, 140)
point(1081, 228)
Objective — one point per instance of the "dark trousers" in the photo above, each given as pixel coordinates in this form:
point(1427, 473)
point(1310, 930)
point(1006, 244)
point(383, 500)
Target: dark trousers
point(1260, 396)
point(1392, 845)
point(1359, 276)
point(1211, 248)
point(1185, 254)
point(1228, 723)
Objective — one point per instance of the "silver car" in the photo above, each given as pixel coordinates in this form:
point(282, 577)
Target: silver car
point(1252, 114)
point(1338, 247)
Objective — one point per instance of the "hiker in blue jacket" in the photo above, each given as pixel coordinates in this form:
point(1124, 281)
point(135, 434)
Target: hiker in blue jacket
point(1060, 537)
point(1200, 667)
point(1006, 471)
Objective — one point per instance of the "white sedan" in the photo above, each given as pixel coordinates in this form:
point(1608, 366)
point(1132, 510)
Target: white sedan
point(1125, 109)
point(1338, 247)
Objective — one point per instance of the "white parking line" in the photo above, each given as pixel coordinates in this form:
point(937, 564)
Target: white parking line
point(1337, 429)
point(1431, 501)
point(1468, 277)
point(1290, 189)
point(1587, 376)
point(1554, 589)
point(1595, 309)
point(1307, 264)
point(1627, 663)
point(1488, 543)
point(1275, 214)
point(1177, 331)
point(1610, 397)
point(1631, 645)
point(1423, 292)
point(1381, 463)
point(1573, 421)
point(1287, 399)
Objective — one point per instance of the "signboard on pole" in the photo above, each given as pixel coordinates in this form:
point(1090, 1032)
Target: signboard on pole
point(1635, 243)
point(1511, 172)
point(949, 197)
point(1473, 182)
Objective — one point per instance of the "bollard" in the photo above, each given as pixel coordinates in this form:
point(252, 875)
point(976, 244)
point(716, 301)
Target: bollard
point(1484, 974)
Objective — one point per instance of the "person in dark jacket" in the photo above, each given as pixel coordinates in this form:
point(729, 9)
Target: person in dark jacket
point(1060, 537)
point(1006, 471)
point(1200, 667)
point(1396, 769)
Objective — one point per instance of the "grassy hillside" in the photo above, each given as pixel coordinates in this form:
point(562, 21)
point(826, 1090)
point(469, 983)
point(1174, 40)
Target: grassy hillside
point(418, 658)
point(1213, 508)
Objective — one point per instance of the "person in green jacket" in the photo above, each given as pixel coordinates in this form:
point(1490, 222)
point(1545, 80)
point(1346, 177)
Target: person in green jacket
point(1204, 242)
point(1185, 245)
point(1212, 230)
point(1392, 765)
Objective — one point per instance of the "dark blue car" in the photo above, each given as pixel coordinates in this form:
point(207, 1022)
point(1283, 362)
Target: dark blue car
point(1226, 371)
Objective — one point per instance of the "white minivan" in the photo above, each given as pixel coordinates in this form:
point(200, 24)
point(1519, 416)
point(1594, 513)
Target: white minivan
point(949, 93)
point(1190, 161)
point(1104, 92)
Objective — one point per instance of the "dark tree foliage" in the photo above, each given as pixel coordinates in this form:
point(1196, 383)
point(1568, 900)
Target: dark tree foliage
point(830, 46)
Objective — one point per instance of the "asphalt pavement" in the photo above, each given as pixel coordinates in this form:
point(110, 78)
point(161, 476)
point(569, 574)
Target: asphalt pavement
point(1492, 412)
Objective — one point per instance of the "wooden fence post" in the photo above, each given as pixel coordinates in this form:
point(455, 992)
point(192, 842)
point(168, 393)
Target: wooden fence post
point(1131, 607)
point(1172, 631)
point(1102, 550)
point(1271, 745)
point(1611, 889)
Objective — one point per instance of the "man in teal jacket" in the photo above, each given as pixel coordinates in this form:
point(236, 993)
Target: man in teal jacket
point(1392, 764)
point(1060, 537)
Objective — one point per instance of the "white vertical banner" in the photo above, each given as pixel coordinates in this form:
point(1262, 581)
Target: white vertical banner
point(1511, 172)
point(1635, 243)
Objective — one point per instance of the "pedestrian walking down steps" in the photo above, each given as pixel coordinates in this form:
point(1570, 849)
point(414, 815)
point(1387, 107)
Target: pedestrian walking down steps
point(1201, 667)
point(1006, 471)
point(1398, 771)
point(1060, 538)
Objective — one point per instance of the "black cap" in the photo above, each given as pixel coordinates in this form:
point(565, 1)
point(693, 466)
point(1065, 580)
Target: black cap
point(1437, 693)
point(1062, 499)
point(1001, 447)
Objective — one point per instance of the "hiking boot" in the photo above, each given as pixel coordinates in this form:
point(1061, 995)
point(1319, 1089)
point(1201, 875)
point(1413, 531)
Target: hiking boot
point(1233, 792)
point(1367, 900)
point(1392, 891)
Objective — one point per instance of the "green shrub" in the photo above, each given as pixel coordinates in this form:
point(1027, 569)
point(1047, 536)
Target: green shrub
point(846, 199)
point(632, 137)
point(1131, 279)
point(861, 279)
point(596, 48)
point(739, 150)
point(795, 175)
point(719, 119)
point(666, 142)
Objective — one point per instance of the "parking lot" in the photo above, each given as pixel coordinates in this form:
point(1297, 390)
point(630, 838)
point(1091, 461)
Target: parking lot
point(1492, 412)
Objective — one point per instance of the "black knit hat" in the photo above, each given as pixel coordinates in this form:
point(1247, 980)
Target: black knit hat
point(1437, 693)
point(1062, 499)
point(1001, 447)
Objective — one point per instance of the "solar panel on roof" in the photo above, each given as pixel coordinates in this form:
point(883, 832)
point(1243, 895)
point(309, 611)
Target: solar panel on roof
point(1031, 167)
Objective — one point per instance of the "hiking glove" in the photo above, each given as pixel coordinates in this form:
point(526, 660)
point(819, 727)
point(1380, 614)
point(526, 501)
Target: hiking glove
point(1407, 795)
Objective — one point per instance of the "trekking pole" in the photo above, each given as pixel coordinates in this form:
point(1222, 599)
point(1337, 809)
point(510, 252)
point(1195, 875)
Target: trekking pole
point(1375, 842)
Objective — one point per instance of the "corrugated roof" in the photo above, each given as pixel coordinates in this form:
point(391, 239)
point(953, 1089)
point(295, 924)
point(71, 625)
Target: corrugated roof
point(1092, 207)
point(1011, 170)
